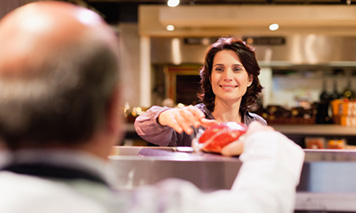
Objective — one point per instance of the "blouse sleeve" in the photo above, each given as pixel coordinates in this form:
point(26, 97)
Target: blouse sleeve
point(148, 128)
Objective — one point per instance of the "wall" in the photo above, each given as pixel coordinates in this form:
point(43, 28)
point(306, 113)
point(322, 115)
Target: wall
point(130, 62)
point(292, 89)
point(8, 5)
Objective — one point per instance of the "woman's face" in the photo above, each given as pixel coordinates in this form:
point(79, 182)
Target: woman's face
point(229, 78)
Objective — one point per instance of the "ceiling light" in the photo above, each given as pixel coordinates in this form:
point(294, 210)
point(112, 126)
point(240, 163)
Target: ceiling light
point(273, 27)
point(170, 27)
point(173, 3)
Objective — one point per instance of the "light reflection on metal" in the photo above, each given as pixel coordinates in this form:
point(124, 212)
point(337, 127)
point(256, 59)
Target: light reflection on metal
point(145, 71)
point(309, 49)
point(176, 52)
point(296, 50)
point(268, 55)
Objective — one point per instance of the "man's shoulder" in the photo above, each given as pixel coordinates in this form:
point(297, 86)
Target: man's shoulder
point(41, 194)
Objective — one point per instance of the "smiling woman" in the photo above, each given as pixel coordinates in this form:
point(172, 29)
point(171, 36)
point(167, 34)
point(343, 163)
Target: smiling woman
point(229, 80)
point(229, 85)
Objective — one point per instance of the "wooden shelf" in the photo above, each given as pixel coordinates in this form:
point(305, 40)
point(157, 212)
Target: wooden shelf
point(316, 129)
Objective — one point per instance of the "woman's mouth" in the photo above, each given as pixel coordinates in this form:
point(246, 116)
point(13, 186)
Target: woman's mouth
point(228, 87)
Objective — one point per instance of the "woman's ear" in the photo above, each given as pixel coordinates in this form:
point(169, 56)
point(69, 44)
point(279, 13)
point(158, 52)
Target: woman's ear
point(250, 80)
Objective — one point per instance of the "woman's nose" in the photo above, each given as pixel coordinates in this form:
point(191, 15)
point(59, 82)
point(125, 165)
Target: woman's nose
point(228, 75)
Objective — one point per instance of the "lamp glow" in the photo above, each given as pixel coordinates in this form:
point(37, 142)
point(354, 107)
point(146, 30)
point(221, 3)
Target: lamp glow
point(170, 27)
point(273, 27)
point(173, 3)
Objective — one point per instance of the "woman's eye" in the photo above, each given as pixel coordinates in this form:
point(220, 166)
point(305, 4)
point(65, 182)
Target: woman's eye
point(237, 69)
point(219, 69)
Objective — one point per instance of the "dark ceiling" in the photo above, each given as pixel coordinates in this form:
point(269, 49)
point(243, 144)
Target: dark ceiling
point(231, 1)
point(116, 11)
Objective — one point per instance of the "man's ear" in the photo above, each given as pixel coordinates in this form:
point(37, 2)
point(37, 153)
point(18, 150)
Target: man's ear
point(114, 119)
point(112, 131)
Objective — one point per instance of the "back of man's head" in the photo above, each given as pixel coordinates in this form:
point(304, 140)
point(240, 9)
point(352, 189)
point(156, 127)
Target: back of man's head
point(58, 71)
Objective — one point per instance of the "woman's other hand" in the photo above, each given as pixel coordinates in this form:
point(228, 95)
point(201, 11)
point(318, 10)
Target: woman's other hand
point(237, 147)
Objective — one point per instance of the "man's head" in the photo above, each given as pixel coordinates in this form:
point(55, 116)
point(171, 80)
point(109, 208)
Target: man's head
point(58, 75)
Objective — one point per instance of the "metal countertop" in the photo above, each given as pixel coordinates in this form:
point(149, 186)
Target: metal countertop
point(327, 181)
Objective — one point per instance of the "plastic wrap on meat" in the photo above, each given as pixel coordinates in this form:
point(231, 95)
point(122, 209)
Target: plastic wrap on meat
point(216, 137)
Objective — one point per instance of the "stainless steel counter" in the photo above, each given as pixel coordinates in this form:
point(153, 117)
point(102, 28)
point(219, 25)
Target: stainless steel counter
point(138, 166)
point(327, 182)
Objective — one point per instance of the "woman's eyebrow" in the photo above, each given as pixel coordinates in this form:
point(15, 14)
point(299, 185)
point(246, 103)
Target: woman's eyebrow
point(238, 65)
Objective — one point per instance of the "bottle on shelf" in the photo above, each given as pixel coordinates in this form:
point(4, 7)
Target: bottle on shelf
point(348, 93)
point(324, 95)
point(323, 107)
point(335, 94)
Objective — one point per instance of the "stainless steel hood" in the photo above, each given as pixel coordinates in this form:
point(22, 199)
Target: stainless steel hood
point(304, 49)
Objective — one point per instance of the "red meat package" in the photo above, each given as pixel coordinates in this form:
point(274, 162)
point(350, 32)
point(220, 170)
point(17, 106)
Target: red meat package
point(216, 137)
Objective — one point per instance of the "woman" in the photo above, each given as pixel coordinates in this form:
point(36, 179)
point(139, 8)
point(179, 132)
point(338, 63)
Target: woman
point(229, 85)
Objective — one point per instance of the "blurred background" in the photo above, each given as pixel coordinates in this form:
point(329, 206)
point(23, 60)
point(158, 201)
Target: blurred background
point(306, 50)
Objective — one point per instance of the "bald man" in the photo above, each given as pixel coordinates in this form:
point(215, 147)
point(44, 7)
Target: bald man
point(59, 118)
point(59, 109)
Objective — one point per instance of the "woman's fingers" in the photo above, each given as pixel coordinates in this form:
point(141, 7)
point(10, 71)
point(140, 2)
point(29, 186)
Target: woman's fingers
point(192, 116)
point(208, 122)
point(182, 119)
point(184, 122)
point(197, 112)
point(175, 125)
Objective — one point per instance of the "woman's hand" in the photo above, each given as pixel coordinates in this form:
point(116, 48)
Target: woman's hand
point(237, 147)
point(183, 119)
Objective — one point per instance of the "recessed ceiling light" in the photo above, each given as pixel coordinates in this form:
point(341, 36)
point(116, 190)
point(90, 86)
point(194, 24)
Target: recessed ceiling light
point(173, 3)
point(170, 27)
point(273, 27)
